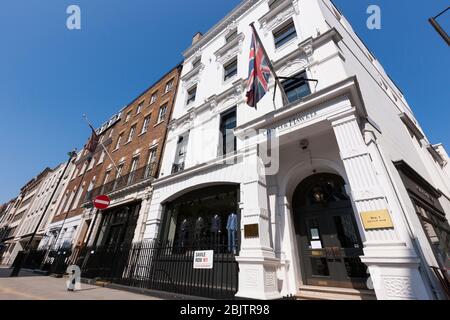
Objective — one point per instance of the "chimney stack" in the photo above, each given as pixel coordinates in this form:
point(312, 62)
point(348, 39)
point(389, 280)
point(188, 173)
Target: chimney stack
point(197, 37)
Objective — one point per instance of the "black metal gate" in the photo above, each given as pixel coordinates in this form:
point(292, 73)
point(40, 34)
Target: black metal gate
point(169, 268)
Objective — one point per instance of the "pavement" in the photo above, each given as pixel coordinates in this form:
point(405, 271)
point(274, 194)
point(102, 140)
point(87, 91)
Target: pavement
point(31, 286)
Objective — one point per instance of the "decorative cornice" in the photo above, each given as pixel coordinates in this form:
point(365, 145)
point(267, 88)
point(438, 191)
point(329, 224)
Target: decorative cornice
point(348, 87)
point(220, 26)
point(278, 15)
point(230, 49)
point(193, 72)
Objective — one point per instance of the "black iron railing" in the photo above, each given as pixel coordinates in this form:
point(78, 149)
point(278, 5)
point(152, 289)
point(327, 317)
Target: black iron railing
point(32, 260)
point(163, 267)
point(133, 177)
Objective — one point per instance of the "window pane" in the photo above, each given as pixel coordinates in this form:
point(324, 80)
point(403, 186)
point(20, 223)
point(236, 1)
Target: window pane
point(284, 34)
point(296, 87)
point(228, 123)
point(230, 70)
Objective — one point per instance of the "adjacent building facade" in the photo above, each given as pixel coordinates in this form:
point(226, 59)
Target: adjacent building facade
point(20, 212)
point(339, 188)
point(122, 167)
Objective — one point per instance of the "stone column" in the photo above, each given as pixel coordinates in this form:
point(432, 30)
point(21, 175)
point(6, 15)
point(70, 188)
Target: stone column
point(153, 219)
point(392, 263)
point(257, 261)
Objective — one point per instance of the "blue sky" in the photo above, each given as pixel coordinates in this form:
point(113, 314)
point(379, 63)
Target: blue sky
point(50, 76)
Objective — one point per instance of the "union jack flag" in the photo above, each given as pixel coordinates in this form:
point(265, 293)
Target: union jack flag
point(259, 72)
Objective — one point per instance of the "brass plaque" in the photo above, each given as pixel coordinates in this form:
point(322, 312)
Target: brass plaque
point(380, 219)
point(251, 231)
point(316, 253)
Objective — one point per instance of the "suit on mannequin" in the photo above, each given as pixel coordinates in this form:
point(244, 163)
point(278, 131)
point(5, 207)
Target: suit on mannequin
point(232, 227)
point(199, 230)
point(183, 235)
point(216, 228)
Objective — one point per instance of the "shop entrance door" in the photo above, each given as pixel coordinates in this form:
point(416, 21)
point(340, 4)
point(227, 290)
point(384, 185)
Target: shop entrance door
point(327, 234)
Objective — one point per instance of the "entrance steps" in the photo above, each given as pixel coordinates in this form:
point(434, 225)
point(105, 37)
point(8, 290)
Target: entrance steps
point(330, 293)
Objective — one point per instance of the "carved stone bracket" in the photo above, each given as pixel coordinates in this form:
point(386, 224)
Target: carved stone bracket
point(278, 15)
point(229, 50)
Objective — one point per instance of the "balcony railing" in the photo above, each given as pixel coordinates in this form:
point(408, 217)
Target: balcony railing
point(139, 175)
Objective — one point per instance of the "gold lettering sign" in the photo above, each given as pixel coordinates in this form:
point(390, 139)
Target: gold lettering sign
point(251, 231)
point(380, 219)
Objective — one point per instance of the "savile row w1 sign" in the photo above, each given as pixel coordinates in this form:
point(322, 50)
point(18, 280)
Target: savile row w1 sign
point(203, 259)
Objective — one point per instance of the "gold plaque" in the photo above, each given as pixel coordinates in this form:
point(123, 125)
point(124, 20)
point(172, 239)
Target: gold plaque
point(380, 219)
point(251, 231)
point(316, 253)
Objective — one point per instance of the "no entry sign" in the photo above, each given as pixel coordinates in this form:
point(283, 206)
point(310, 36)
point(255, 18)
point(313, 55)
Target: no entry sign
point(102, 202)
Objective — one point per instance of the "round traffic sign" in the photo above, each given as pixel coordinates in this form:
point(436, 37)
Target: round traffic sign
point(102, 202)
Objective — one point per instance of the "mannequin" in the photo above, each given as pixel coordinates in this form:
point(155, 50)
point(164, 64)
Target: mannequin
point(199, 230)
point(184, 232)
point(216, 228)
point(232, 232)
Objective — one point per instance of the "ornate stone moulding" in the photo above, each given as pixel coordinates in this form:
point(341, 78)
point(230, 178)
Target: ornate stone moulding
point(230, 49)
point(221, 26)
point(278, 15)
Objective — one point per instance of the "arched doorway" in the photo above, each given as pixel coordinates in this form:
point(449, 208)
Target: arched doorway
point(327, 235)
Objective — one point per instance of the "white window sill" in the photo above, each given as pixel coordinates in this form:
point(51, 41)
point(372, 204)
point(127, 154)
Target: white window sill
point(159, 123)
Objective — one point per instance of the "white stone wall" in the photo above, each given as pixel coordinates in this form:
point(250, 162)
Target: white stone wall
point(367, 135)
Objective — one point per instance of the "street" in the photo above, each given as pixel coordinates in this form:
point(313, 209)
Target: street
point(30, 286)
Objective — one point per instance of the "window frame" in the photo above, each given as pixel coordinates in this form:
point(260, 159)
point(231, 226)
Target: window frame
point(191, 99)
point(161, 119)
point(230, 75)
point(132, 133)
point(280, 38)
point(146, 123)
point(169, 88)
point(302, 73)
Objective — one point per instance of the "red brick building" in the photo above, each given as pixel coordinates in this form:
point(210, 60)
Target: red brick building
point(123, 167)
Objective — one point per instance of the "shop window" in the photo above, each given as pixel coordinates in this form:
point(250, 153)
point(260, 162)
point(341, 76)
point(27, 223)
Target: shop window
point(437, 230)
point(204, 219)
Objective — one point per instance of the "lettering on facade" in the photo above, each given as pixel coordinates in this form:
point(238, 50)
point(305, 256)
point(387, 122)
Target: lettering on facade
point(379, 219)
point(291, 123)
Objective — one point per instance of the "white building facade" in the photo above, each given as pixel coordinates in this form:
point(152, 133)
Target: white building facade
point(353, 197)
point(47, 231)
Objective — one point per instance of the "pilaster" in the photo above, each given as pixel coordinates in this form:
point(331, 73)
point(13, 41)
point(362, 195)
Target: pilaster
point(393, 265)
point(257, 261)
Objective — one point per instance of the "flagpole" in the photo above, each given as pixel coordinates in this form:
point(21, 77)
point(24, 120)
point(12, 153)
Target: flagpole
point(103, 146)
point(277, 80)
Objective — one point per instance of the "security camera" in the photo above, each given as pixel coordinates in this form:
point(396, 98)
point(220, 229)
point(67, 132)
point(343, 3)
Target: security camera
point(304, 144)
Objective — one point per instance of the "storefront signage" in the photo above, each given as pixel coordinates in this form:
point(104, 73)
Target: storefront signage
point(251, 231)
point(380, 219)
point(203, 259)
point(292, 122)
